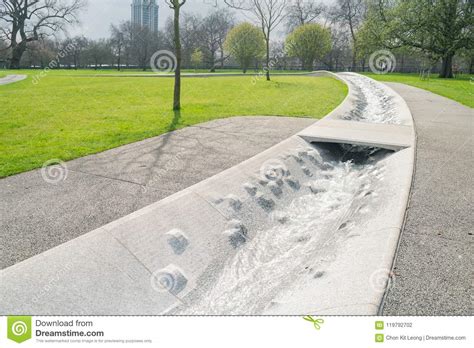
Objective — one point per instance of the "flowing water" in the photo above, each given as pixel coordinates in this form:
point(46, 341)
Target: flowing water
point(275, 257)
point(310, 227)
point(373, 104)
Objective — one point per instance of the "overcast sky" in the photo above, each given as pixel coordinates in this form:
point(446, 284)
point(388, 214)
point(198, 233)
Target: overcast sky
point(100, 14)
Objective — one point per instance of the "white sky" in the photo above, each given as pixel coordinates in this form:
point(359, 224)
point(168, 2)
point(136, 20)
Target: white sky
point(100, 14)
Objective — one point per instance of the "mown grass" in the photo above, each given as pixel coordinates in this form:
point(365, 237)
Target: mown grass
point(460, 89)
point(63, 72)
point(66, 117)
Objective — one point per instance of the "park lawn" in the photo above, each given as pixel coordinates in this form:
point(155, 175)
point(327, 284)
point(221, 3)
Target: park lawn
point(66, 117)
point(67, 72)
point(460, 89)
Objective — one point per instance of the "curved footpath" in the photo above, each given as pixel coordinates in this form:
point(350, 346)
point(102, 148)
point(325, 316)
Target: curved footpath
point(434, 266)
point(11, 79)
point(101, 188)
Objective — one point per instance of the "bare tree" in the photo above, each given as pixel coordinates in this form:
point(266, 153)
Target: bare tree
point(340, 55)
point(301, 12)
point(190, 35)
point(25, 21)
point(117, 41)
point(176, 5)
point(41, 53)
point(215, 28)
point(269, 14)
point(143, 42)
point(350, 15)
point(98, 53)
point(77, 45)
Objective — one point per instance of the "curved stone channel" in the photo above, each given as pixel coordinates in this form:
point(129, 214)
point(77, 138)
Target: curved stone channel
point(373, 104)
point(327, 189)
point(307, 226)
point(300, 237)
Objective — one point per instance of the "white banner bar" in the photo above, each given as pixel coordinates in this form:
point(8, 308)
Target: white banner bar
point(237, 332)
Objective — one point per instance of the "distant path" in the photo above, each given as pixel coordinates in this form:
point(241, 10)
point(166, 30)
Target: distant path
point(37, 216)
point(11, 79)
point(434, 265)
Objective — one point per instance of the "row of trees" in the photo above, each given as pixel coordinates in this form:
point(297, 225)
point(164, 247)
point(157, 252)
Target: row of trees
point(434, 28)
point(308, 43)
point(422, 32)
point(342, 35)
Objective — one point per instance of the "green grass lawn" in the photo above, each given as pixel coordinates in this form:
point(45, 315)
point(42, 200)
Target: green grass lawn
point(63, 72)
point(460, 89)
point(65, 117)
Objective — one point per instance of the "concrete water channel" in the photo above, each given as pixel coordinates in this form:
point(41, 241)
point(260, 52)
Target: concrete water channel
point(310, 225)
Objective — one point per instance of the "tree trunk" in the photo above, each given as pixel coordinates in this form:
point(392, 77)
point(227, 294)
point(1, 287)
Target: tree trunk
point(471, 66)
point(307, 64)
point(354, 60)
point(213, 62)
point(17, 53)
point(268, 59)
point(177, 73)
point(119, 62)
point(447, 67)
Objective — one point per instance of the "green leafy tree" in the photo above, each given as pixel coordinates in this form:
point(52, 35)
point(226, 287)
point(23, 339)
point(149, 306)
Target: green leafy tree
point(245, 43)
point(437, 28)
point(309, 42)
point(268, 14)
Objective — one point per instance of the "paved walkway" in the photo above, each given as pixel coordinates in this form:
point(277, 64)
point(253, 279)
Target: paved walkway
point(36, 215)
point(11, 78)
point(434, 265)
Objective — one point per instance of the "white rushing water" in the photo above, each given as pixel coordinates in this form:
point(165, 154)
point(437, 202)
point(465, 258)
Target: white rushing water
point(309, 229)
point(373, 104)
point(275, 257)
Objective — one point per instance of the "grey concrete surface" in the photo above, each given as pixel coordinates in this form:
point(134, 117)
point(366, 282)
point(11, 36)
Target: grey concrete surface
point(327, 255)
point(11, 79)
point(385, 136)
point(37, 216)
point(434, 265)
